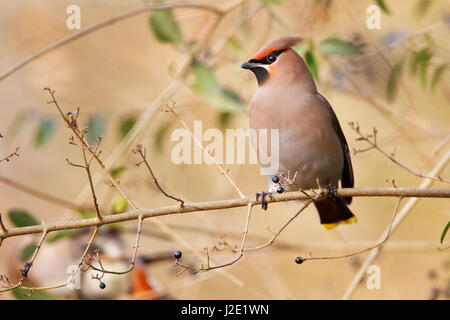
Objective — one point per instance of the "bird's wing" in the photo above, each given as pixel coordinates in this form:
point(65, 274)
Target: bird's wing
point(347, 179)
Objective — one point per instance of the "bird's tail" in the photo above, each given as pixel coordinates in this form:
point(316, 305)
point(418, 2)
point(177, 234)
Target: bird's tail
point(334, 211)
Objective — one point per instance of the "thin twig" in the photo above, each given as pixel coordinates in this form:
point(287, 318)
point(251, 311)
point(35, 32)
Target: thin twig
point(142, 151)
point(171, 108)
point(133, 258)
point(69, 281)
point(277, 233)
point(378, 244)
point(99, 25)
point(12, 154)
point(71, 123)
point(374, 145)
point(398, 220)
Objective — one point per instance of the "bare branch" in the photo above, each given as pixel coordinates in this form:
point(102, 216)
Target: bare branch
point(225, 204)
point(12, 154)
point(371, 139)
point(142, 151)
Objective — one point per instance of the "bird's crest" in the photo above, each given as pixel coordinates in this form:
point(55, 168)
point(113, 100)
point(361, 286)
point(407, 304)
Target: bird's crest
point(276, 45)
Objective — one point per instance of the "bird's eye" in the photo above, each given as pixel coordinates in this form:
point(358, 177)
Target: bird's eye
point(271, 58)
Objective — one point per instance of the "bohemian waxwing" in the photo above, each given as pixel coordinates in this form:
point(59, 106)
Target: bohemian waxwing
point(311, 142)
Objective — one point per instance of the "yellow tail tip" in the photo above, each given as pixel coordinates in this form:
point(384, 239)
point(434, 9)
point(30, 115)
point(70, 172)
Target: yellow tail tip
point(329, 226)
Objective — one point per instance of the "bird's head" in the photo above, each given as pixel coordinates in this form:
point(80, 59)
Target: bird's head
point(276, 60)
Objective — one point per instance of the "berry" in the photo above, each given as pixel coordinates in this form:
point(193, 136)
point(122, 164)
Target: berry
point(102, 285)
point(275, 179)
point(280, 189)
point(299, 260)
point(177, 254)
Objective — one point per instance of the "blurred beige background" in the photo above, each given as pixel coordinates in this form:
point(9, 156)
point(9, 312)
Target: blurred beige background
point(121, 69)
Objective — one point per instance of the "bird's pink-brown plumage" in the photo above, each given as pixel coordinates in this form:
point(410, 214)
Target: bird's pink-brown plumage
point(311, 142)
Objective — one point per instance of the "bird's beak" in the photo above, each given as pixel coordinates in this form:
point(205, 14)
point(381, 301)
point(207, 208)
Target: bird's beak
point(250, 65)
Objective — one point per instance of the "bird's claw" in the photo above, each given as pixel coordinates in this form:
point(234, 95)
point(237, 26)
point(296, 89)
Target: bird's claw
point(331, 191)
point(264, 204)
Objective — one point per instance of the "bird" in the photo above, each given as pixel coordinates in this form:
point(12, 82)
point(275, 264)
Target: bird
point(312, 148)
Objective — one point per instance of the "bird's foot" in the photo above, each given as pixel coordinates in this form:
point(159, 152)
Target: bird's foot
point(331, 191)
point(263, 194)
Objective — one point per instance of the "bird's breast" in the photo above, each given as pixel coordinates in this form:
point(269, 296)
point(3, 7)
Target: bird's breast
point(307, 144)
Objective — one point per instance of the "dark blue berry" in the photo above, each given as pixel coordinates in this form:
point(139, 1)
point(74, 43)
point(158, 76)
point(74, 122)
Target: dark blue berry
point(102, 285)
point(275, 179)
point(299, 260)
point(177, 254)
point(280, 189)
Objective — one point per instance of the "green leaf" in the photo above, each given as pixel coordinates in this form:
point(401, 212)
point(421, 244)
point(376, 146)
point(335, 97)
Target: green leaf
point(313, 66)
point(444, 232)
point(117, 171)
point(209, 89)
point(164, 27)
point(126, 125)
point(23, 294)
point(392, 84)
point(96, 127)
point(383, 6)
point(62, 234)
point(21, 218)
point(28, 251)
point(338, 46)
point(119, 205)
point(44, 132)
point(235, 44)
point(419, 58)
point(437, 75)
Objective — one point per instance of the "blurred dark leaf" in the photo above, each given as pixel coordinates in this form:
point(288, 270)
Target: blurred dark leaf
point(209, 89)
point(21, 218)
point(115, 172)
point(96, 127)
point(313, 66)
point(126, 125)
point(225, 118)
point(383, 6)
point(164, 27)
point(437, 74)
point(28, 251)
point(338, 46)
point(22, 294)
point(119, 205)
point(44, 132)
point(444, 232)
point(160, 134)
point(62, 234)
point(419, 58)
point(392, 84)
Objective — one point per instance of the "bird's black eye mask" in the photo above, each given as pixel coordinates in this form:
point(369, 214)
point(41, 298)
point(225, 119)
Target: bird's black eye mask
point(260, 72)
point(270, 58)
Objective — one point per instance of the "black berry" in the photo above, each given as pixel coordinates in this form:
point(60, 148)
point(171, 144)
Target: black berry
point(275, 179)
point(280, 189)
point(299, 260)
point(177, 254)
point(102, 285)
